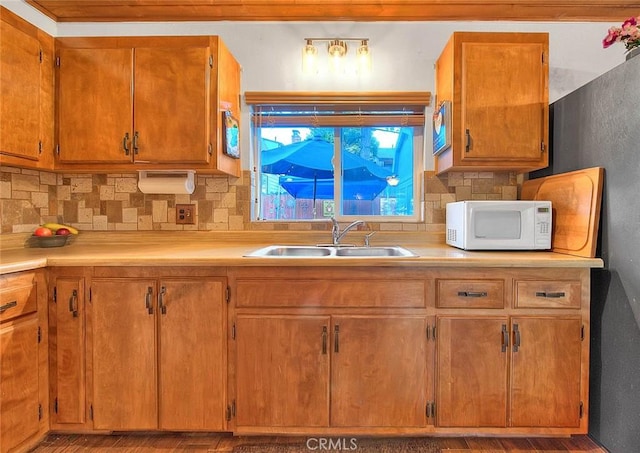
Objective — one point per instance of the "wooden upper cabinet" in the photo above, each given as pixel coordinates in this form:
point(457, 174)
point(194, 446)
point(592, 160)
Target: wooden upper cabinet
point(497, 84)
point(95, 105)
point(26, 85)
point(170, 113)
point(144, 103)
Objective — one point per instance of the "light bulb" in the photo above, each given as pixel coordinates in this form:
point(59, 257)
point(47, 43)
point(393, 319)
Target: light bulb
point(337, 51)
point(363, 57)
point(309, 58)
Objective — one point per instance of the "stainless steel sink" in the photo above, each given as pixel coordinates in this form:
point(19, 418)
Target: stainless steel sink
point(373, 251)
point(292, 250)
point(328, 251)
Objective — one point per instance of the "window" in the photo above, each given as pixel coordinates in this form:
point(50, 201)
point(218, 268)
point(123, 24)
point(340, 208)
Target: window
point(346, 156)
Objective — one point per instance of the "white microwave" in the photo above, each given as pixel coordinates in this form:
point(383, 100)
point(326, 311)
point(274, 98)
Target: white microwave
point(499, 225)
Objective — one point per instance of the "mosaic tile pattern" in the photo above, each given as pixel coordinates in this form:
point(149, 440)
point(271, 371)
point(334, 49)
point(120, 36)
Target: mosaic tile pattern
point(112, 202)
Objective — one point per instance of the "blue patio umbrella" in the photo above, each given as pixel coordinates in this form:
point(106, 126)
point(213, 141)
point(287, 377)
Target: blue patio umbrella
point(354, 190)
point(306, 171)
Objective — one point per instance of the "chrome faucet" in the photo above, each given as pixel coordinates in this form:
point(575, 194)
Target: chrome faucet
point(337, 235)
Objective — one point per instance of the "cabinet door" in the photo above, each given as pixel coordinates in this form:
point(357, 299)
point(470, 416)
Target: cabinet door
point(124, 353)
point(378, 359)
point(68, 350)
point(95, 105)
point(282, 371)
point(20, 93)
point(471, 383)
point(545, 372)
point(192, 354)
point(171, 98)
point(503, 101)
point(18, 382)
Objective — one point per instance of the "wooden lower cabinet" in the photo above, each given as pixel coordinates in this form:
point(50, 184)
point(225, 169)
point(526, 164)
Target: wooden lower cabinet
point(471, 383)
point(451, 351)
point(379, 371)
point(546, 386)
point(509, 372)
point(191, 352)
point(322, 371)
point(67, 350)
point(319, 349)
point(157, 353)
point(19, 403)
point(124, 354)
point(314, 350)
point(23, 364)
point(282, 370)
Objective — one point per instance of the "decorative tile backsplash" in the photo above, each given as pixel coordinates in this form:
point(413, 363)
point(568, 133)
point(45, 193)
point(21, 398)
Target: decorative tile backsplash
point(112, 202)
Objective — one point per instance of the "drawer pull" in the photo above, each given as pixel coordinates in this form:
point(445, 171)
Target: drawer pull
point(8, 305)
point(73, 303)
point(550, 295)
point(324, 339)
point(472, 294)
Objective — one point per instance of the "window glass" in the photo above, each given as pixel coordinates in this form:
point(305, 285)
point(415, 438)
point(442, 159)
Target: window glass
point(312, 165)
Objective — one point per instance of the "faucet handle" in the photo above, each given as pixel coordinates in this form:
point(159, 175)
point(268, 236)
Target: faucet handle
point(367, 237)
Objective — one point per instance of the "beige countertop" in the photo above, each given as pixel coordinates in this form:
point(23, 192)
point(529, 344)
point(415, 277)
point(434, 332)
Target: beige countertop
point(228, 249)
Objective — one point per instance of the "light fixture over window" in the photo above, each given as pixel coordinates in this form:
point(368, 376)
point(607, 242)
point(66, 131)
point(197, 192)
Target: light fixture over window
point(337, 50)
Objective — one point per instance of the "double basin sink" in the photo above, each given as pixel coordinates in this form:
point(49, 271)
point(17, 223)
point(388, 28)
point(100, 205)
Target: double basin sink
point(328, 251)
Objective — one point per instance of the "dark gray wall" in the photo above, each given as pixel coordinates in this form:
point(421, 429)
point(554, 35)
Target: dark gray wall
point(599, 125)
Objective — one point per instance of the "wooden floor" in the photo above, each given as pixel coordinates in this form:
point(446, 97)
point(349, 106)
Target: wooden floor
point(140, 443)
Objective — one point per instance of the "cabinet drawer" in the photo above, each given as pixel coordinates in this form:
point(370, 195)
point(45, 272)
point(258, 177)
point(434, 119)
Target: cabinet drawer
point(331, 293)
point(469, 293)
point(547, 294)
point(18, 296)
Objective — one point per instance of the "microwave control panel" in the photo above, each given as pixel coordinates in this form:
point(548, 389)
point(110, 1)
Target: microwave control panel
point(543, 224)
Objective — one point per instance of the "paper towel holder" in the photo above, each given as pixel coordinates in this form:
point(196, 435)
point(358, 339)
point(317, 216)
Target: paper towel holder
point(167, 181)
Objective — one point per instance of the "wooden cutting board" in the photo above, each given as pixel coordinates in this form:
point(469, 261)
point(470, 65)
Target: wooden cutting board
point(575, 198)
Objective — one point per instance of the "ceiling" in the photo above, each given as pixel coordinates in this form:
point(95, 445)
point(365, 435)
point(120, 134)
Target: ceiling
point(336, 10)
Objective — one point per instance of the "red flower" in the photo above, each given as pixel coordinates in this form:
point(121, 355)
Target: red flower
point(612, 36)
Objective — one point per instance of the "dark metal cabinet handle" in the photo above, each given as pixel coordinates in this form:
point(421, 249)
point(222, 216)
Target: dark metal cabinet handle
point(135, 142)
point(336, 339)
point(516, 338)
point(8, 305)
point(550, 295)
point(161, 305)
point(125, 144)
point(472, 294)
point(324, 339)
point(148, 300)
point(505, 338)
point(467, 140)
point(73, 303)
